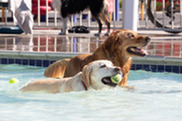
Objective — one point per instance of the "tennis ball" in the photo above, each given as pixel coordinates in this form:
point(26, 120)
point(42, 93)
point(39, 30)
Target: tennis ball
point(13, 80)
point(116, 78)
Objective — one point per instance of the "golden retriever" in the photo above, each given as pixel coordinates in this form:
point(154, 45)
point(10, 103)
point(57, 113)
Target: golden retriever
point(96, 75)
point(119, 47)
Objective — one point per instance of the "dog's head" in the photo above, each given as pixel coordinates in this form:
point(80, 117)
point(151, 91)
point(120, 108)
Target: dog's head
point(126, 42)
point(98, 74)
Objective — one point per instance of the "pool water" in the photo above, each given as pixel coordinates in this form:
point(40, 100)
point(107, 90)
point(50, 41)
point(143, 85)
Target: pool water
point(157, 97)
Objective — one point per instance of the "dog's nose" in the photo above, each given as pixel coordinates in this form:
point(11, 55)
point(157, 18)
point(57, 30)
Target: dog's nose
point(147, 39)
point(117, 69)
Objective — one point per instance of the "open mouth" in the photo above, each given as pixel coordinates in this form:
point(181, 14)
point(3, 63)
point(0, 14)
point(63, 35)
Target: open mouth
point(137, 51)
point(107, 81)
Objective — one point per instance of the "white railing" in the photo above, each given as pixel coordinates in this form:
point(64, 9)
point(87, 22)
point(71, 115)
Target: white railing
point(78, 19)
point(52, 18)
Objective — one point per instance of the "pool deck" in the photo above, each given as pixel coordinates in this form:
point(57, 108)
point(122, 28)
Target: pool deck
point(151, 59)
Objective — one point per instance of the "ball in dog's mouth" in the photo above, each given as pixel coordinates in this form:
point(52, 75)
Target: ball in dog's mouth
point(113, 80)
point(137, 51)
point(116, 78)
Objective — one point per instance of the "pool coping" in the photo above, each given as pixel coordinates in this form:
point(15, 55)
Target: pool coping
point(44, 59)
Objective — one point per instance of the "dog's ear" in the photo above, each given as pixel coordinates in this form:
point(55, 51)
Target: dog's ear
point(114, 40)
point(111, 41)
point(86, 75)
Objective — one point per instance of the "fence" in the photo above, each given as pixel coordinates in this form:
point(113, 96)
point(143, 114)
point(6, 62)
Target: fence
point(165, 15)
point(53, 19)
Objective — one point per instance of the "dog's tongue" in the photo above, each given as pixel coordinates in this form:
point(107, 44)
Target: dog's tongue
point(143, 52)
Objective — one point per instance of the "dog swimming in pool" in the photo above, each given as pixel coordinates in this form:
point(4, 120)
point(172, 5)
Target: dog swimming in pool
point(98, 9)
point(98, 74)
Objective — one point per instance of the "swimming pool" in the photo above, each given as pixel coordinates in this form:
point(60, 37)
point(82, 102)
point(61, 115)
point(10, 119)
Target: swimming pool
point(157, 97)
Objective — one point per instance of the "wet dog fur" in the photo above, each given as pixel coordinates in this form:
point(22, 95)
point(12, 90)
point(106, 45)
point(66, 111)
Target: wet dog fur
point(119, 47)
point(95, 75)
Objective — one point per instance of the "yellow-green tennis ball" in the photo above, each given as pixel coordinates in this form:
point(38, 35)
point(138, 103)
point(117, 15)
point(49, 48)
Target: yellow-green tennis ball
point(116, 79)
point(13, 80)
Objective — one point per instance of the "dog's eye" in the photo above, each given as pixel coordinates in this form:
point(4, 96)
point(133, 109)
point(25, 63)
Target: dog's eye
point(130, 35)
point(103, 66)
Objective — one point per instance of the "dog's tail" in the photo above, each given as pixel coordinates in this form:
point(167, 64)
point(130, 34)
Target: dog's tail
point(57, 69)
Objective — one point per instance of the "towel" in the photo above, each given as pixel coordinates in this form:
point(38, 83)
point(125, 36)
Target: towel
point(22, 15)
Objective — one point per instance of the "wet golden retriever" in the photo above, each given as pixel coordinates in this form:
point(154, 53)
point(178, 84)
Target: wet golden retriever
point(119, 47)
point(96, 75)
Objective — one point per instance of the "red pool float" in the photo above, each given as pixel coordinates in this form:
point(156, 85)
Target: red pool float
point(42, 6)
point(42, 2)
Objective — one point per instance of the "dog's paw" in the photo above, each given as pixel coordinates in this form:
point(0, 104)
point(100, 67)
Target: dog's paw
point(62, 33)
point(106, 34)
point(129, 88)
point(97, 34)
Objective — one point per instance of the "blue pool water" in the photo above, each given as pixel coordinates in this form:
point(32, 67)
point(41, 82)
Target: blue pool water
point(157, 97)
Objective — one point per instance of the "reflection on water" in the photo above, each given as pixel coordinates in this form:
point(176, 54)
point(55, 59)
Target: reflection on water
point(162, 47)
point(50, 44)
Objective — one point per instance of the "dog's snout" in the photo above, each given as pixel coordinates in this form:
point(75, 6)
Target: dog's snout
point(147, 39)
point(117, 69)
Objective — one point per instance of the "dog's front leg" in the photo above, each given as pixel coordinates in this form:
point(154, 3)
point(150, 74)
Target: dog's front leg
point(65, 26)
point(107, 22)
point(124, 80)
point(108, 29)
